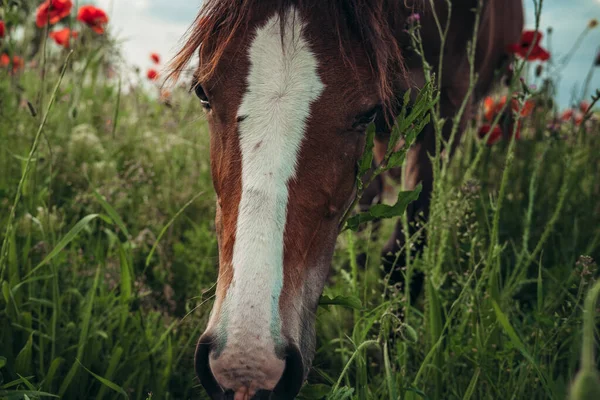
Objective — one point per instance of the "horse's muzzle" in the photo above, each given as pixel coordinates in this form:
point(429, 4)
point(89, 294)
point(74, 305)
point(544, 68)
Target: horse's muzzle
point(287, 388)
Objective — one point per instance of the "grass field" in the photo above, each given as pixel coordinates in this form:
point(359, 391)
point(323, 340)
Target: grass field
point(109, 254)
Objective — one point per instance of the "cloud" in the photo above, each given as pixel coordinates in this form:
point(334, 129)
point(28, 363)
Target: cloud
point(143, 31)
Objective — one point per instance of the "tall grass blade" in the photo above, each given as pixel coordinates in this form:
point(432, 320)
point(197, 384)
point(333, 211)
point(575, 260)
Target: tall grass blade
point(85, 325)
point(166, 227)
point(68, 238)
point(24, 176)
point(112, 213)
point(115, 358)
point(106, 382)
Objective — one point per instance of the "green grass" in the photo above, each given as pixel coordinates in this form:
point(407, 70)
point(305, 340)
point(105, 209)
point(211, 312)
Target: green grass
point(110, 260)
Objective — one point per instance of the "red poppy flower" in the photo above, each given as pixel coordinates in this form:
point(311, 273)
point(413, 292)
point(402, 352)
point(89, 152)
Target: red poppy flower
point(17, 62)
point(155, 58)
point(4, 60)
point(530, 40)
point(52, 11)
point(63, 37)
point(152, 74)
point(576, 116)
point(584, 106)
point(495, 136)
point(492, 108)
point(93, 17)
point(567, 114)
point(526, 109)
point(2, 29)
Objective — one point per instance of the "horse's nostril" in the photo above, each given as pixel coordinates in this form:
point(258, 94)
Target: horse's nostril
point(293, 375)
point(203, 371)
point(224, 383)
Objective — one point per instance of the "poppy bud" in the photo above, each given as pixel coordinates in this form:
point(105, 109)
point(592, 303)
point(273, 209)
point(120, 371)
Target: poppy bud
point(413, 18)
point(538, 70)
point(409, 333)
point(586, 386)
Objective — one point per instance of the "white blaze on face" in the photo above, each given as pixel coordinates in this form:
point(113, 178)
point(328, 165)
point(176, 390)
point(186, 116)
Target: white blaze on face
point(282, 84)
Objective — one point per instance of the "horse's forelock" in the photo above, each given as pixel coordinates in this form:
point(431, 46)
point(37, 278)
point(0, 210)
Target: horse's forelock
point(371, 21)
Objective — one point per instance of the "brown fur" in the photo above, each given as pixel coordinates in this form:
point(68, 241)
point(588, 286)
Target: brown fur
point(364, 64)
point(501, 24)
point(375, 24)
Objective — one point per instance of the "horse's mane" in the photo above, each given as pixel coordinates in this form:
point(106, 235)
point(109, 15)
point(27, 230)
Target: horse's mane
point(374, 22)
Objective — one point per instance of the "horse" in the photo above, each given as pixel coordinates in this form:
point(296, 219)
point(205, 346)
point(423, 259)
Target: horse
point(289, 88)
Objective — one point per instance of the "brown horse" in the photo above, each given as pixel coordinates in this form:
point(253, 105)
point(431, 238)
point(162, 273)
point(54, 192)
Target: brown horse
point(289, 88)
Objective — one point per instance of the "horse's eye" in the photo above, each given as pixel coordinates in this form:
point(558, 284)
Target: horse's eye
point(363, 120)
point(201, 95)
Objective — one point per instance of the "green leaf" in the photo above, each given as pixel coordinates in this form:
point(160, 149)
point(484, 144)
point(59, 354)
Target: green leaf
point(166, 227)
point(389, 373)
point(342, 393)
point(106, 382)
point(314, 392)
point(517, 343)
point(23, 363)
point(382, 211)
point(126, 285)
point(472, 385)
point(406, 97)
point(367, 158)
point(423, 104)
point(510, 331)
point(397, 131)
point(54, 366)
point(2, 362)
point(163, 337)
point(68, 238)
point(27, 383)
point(344, 301)
point(112, 213)
point(396, 159)
point(30, 280)
point(115, 358)
point(84, 329)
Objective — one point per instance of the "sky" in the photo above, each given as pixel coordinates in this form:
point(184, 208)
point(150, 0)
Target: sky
point(147, 26)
